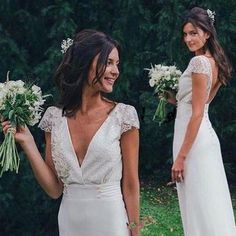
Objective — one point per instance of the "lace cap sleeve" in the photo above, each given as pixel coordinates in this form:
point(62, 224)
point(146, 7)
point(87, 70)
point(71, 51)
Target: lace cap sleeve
point(46, 122)
point(130, 119)
point(200, 64)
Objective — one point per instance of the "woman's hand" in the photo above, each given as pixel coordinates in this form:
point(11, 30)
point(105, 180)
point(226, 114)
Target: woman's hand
point(22, 134)
point(177, 171)
point(44, 170)
point(170, 96)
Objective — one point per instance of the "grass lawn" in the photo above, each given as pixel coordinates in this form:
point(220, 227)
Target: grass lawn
point(159, 208)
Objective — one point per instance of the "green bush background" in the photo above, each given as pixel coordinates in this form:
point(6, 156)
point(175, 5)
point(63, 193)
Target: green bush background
point(149, 32)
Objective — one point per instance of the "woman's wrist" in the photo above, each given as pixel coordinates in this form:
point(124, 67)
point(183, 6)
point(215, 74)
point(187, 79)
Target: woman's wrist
point(133, 226)
point(181, 156)
point(28, 143)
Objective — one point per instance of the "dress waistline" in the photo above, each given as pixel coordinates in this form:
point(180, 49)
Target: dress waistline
point(185, 109)
point(93, 191)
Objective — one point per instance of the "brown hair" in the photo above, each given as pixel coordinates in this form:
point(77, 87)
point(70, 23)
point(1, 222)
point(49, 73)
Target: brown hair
point(72, 73)
point(199, 17)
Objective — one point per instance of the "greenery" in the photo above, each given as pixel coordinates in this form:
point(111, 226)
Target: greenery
point(149, 32)
point(161, 204)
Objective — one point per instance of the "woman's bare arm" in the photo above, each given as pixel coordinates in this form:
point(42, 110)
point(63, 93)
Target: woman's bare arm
point(130, 179)
point(43, 170)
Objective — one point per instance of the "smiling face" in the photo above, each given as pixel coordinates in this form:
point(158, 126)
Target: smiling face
point(105, 84)
point(195, 38)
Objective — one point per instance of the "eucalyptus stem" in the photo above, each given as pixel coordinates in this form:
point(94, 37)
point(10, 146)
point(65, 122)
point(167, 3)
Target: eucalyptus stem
point(9, 157)
point(160, 113)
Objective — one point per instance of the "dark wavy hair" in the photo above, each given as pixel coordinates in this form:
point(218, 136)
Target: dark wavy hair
point(72, 73)
point(198, 17)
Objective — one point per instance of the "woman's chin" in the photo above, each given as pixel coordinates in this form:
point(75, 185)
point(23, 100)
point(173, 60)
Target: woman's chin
point(191, 49)
point(107, 89)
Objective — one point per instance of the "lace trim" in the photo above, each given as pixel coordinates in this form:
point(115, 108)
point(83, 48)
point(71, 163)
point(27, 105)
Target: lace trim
point(129, 119)
point(47, 120)
point(199, 64)
point(62, 167)
point(127, 127)
point(61, 164)
point(52, 116)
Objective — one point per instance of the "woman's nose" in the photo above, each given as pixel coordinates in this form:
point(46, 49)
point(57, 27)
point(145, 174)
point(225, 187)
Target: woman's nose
point(115, 70)
point(187, 38)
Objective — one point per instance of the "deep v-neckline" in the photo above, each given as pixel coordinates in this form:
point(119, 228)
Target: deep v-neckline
point(91, 141)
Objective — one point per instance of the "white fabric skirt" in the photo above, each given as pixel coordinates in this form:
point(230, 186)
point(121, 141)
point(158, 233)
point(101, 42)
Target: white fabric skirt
point(93, 210)
point(204, 197)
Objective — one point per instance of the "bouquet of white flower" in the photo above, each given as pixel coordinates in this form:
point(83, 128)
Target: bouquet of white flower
point(21, 105)
point(164, 79)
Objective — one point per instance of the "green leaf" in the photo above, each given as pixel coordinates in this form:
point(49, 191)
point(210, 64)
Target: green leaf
point(11, 113)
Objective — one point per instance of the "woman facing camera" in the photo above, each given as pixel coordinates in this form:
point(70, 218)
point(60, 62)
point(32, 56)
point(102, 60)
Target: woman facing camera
point(91, 144)
point(203, 192)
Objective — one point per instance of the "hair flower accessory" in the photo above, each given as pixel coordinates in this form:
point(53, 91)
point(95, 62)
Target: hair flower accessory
point(66, 43)
point(211, 15)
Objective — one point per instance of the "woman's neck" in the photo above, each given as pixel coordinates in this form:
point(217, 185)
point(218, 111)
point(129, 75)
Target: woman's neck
point(203, 52)
point(90, 100)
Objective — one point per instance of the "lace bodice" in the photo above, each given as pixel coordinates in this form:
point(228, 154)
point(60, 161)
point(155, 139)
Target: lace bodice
point(103, 160)
point(198, 64)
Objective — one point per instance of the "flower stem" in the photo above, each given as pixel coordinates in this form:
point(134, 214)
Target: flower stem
point(160, 113)
point(9, 157)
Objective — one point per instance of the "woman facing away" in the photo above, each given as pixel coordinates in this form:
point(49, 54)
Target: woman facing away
point(91, 144)
point(203, 192)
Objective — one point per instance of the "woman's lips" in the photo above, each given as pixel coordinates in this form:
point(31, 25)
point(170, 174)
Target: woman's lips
point(110, 80)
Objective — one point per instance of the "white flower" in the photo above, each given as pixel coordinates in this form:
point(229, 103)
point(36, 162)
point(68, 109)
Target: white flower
point(158, 67)
point(33, 122)
point(211, 15)
point(66, 43)
point(21, 90)
point(14, 84)
point(163, 77)
point(168, 77)
point(2, 85)
point(10, 85)
point(36, 90)
point(178, 72)
point(15, 87)
point(165, 68)
point(152, 82)
point(13, 93)
point(172, 69)
point(21, 105)
point(2, 94)
point(19, 83)
point(167, 73)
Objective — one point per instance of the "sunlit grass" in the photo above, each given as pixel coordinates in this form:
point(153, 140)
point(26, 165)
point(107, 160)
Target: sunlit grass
point(159, 207)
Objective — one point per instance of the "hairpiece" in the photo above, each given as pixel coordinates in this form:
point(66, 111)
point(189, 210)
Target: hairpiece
point(65, 44)
point(211, 15)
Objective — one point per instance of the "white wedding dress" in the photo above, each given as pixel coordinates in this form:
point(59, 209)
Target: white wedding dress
point(92, 203)
point(204, 197)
